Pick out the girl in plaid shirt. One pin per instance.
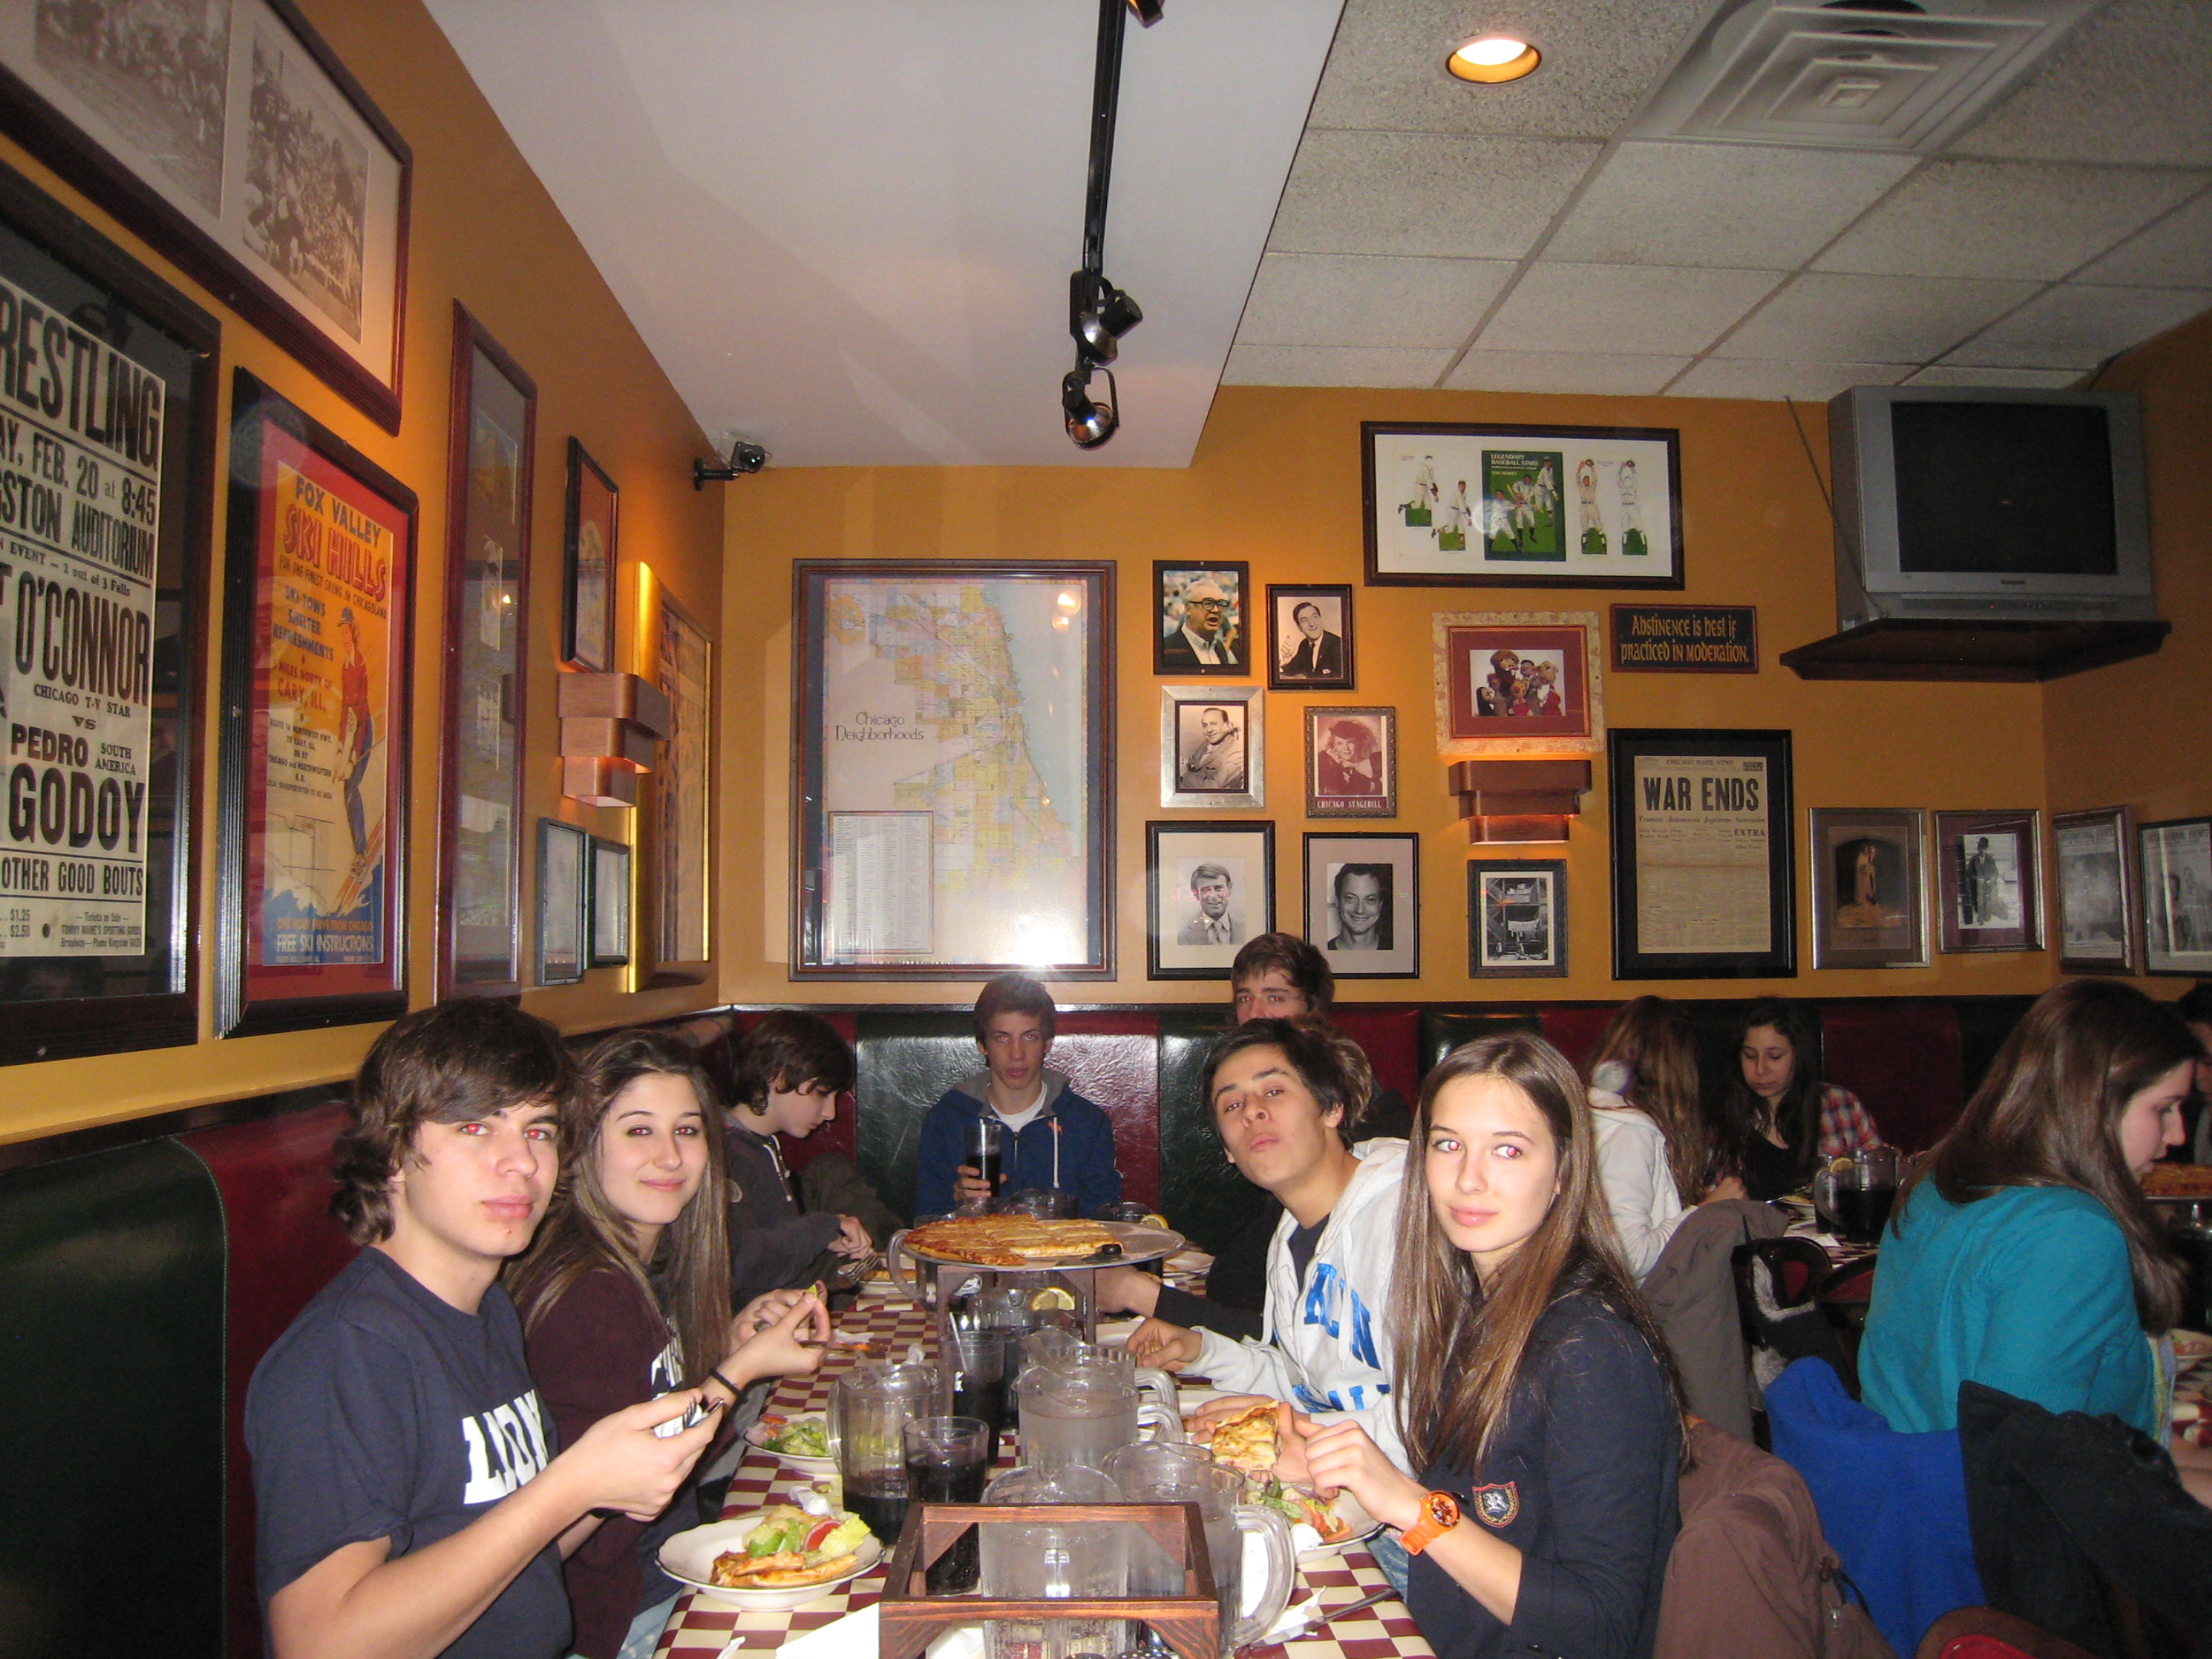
(1778, 1119)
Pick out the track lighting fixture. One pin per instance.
(1090, 421)
(1098, 313)
(744, 457)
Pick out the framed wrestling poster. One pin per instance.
(314, 775)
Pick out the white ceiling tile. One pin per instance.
(1424, 193)
(1564, 371)
(2052, 379)
(2175, 253)
(1288, 365)
(1823, 315)
(1720, 204)
(1637, 310)
(2077, 326)
(1387, 68)
(2133, 83)
(1773, 380)
(2020, 219)
(1339, 299)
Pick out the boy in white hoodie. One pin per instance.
(1283, 1107)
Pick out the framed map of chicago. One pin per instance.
(954, 818)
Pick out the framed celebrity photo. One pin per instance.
(1202, 618)
(1522, 505)
(1309, 638)
(1517, 682)
(1363, 903)
(2095, 877)
(1352, 762)
(1516, 919)
(1989, 887)
(2176, 862)
(1869, 888)
(1209, 888)
(1213, 747)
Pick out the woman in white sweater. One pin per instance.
(1655, 1153)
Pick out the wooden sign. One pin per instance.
(1686, 639)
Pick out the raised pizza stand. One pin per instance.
(946, 1278)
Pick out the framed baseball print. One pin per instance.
(1522, 505)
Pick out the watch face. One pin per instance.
(1443, 1510)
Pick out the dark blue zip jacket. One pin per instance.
(1067, 1147)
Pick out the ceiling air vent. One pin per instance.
(1878, 75)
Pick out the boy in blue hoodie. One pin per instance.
(1055, 1138)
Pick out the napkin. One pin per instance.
(854, 1636)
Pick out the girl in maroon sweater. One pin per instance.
(624, 1295)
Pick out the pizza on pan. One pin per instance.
(1009, 1240)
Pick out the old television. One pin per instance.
(1989, 504)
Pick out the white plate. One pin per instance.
(688, 1557)
(1349, 1510)
(811, 1465)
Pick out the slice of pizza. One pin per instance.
(1251, 1440)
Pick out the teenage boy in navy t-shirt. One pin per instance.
(411, 1500)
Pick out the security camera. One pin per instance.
(744, 457)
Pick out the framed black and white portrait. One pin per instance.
(1309, 638)
(1988, 882)
(1516, 919)
(1363, 903)
(1210, 887)
(1352, 762)
(1213, 746)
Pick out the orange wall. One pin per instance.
(484, 231)
(1276, 482)
(2134, 734)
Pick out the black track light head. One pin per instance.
(1090, 421)
(1098, 315)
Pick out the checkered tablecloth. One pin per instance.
(700, 1629)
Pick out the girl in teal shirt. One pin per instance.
(2025, 1255)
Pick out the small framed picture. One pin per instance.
(1352, 762)
(1517, 682)
(610, 904)
(1363, 903)
(1211, 887)
(1202, 617)
(1988, 881)
(2176, 863)
(1213, 746)
(2095, 877)
(1309, 638)
(587, 587)
(1869, 888)
(563, 878)
(1516, 919)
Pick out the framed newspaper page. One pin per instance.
(104, 598)
(2095, 878)
(315, 764)
(1703, 872)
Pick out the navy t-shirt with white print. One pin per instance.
(387, 1413)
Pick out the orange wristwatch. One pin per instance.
(1439, 1515)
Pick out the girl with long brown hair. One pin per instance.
(2025, 1255)
(1655, 1151)
(624, 1294)
(1533, 1393)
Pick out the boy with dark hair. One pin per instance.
(784, 1079)
(1055, 1138)
(1278, 976)
(410, 1500)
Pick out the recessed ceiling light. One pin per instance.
(1493, 57)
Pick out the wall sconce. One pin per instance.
(609, 726)
(1519, 801)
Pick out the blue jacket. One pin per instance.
(1068, 1146)
(1892, 1506)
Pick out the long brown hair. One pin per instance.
(2048, 1114)
(1654, 1040)
(1461, 1346)
(583, 1231)
(1797, 1114)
